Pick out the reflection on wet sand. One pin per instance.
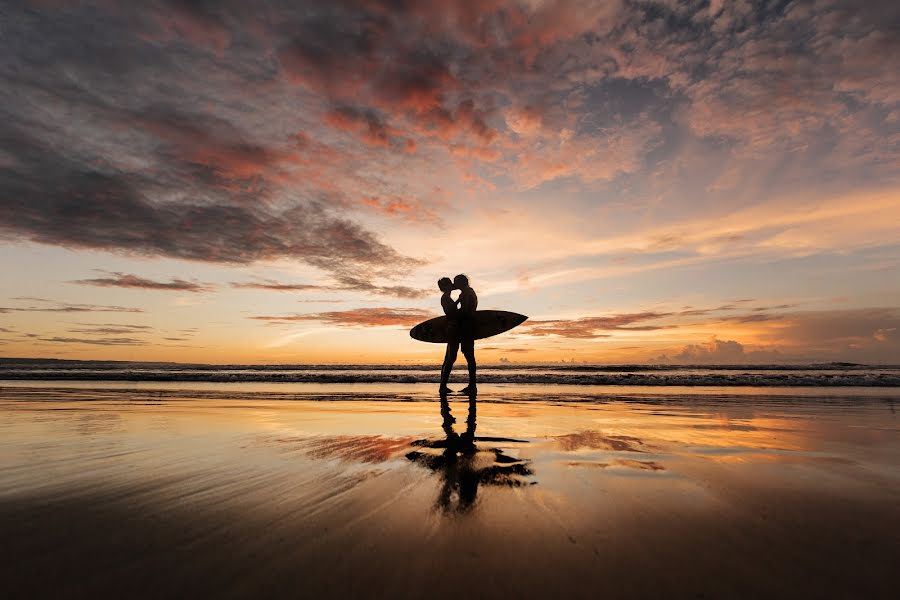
(463, 466)
(106, 496)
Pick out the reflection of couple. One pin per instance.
(461, 328)
(463, 466)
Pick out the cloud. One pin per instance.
(366, 124)
(548, 90)
(344, 283)
(866, 335)
(349, 283)
(595, 327)
(275, 286)
(359, 317)
(108, 330)
(504, 349)
(125, 280)
(65, 307)
(524, 120)
(591, 157)
(194, 22)
(113, 212)
(408, 209)
(885, 333)
(727, 351)
(120, 341)
(154, 173)
(775, 307)
(118, 325)
(722, 352)
(869, 332)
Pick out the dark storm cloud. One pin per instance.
(358, 317)
(126, 280)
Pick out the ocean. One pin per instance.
(812, 375)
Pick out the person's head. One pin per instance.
(461, 282)
(444, 284)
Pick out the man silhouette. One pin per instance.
(468, 304)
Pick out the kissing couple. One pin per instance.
(460, 329)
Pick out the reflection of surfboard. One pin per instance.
(487, 323)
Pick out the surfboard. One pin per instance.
(487, 324)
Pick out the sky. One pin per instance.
(285, 181)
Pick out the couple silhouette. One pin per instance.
(461, 329)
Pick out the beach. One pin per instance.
(381, 490)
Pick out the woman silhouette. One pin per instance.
(451, 309)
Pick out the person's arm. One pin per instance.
(468, 303)
(450, 307)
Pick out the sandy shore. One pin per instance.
(526, 494)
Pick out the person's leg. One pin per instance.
(468, 350)
(449, 360)
(468, 437)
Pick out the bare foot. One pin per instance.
(469, 390)
(444, 390)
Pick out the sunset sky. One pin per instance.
(658, 181)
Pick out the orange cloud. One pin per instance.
(408, 209)
(366, 124)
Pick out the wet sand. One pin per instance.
(366, 492)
